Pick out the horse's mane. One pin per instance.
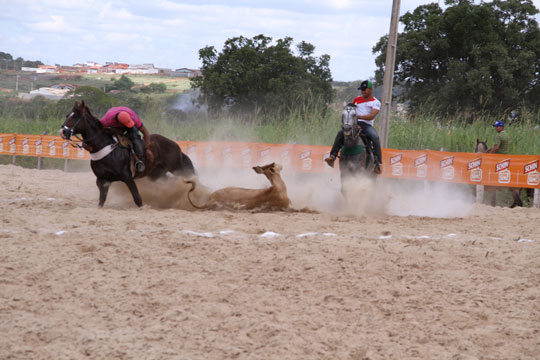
(87, 114)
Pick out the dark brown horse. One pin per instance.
(111, 161)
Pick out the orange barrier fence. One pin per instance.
(49, 146)
(471, 168)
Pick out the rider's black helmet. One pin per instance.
(366, 84)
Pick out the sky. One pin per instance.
(169, 33)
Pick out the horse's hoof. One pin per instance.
(377, 170)
(520, 204)
(330, 161)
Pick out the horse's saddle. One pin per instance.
(123, 139)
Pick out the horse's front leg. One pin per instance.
(516, 195)
(103, 186)
(134, 191)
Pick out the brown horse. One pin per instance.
(481, 147)
(110, 161)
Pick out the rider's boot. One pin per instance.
(378, 169)
(330, 160)
(378, 161)
(139, 151)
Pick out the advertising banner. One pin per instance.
(468, 168)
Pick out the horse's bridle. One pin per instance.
(71, 129)
(82, 144)
(72, 133)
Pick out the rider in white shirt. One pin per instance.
(367, 108)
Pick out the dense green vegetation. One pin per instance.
(7, 62)
(424, 130)
(468, 57)
(255, 77)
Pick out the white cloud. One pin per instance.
(23, 39)
(104, 12)
(128, 40)
(171, 32)
(341, 4)
(55, 24)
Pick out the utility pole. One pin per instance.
(386, 99)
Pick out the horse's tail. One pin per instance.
(187, 165)
(193, 185)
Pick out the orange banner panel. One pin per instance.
(510, 170)
(278, 153)
(471, 168)
(309, 158)
(406, 164)
(220, 154)
(450, 167)
(40, 145)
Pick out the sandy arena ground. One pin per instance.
(410, 274)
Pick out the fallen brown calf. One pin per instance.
(271, 198)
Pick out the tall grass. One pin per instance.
(12, 124)
(459, 133)
(456, 133)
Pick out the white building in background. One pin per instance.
(189, 73)
(42, 69)
(142, 69)
(29, 69)
(47, 92)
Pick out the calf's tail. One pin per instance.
(193, 185)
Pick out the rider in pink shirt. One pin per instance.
(121, 117)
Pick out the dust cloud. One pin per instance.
(430, 199)
(361, 196)
(166, 193)
(365, 195)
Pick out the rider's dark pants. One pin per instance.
(370, 133)
(133, 134)
(338, 143)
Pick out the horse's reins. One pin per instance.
(355, 133)
(72, 133)
(95, 156)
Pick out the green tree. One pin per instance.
(8, 63)
(5, 60)
(254, 75)
(482, 57)
(98, 101)
(32, 64)
(124, 83)
(154, 88)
